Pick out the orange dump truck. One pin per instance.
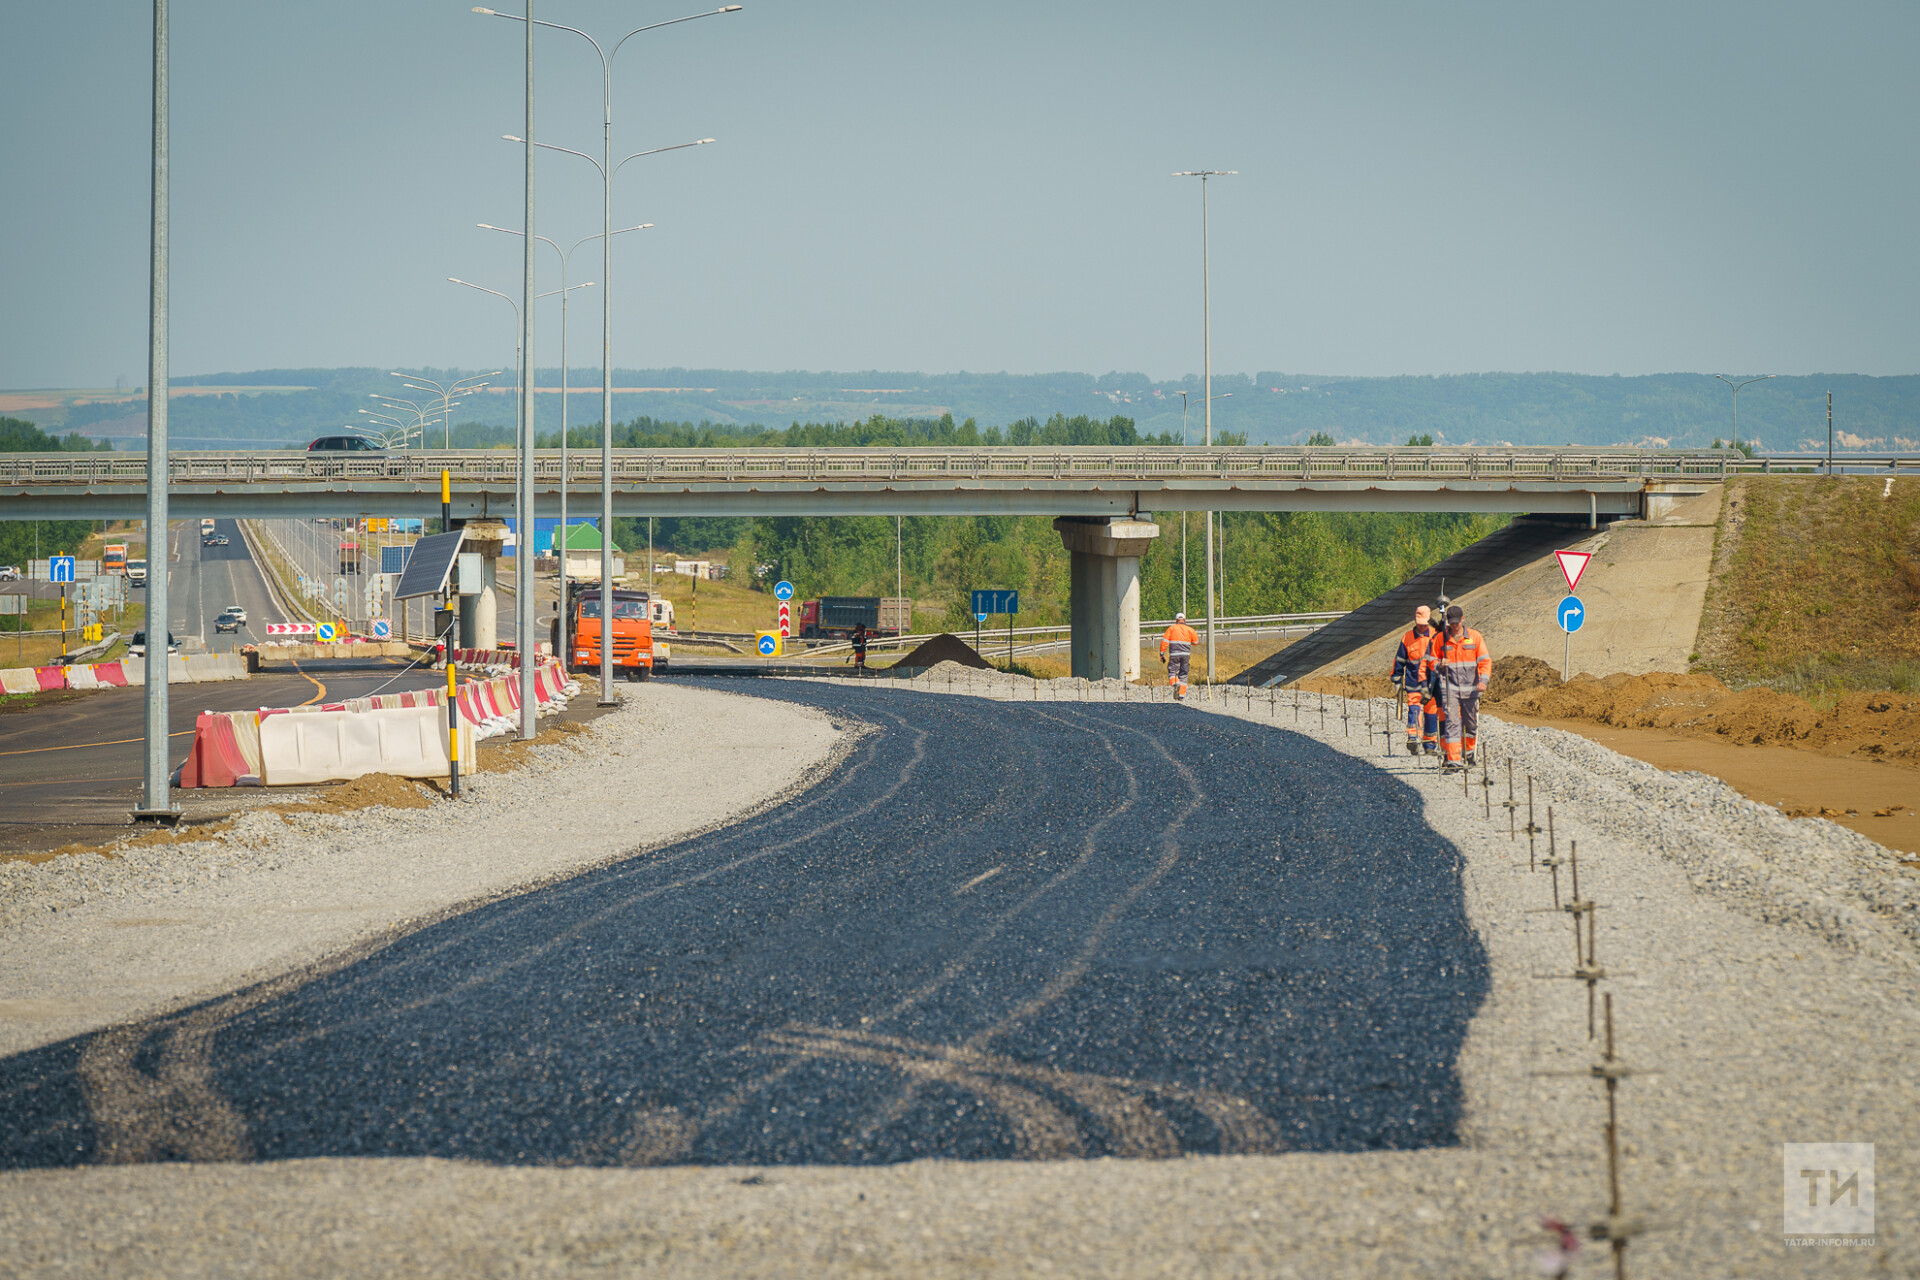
(632, 633)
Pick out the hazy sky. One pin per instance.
(902, 184)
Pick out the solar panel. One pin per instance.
(427, 568)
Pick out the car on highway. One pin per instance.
(229, 621)
(238, 611)
(137, 647)
(343, 444)
(9, 573)
(217, 540)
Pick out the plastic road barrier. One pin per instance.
(328, 746)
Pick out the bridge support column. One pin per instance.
(1104, 596)
(480, 614)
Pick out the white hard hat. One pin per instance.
(1179, 617)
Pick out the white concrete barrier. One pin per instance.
(333, 746)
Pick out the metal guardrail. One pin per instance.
(1146, 466)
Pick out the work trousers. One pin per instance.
(1423, 718)
(1462, 726)
(1177, 665)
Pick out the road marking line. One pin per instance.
(979, 879)
(315, 683)
(75, 746)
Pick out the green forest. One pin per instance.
(25, 540)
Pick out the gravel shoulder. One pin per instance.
(86, 942)
(1763, 968)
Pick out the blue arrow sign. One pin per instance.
(986, 602)
(767, 645)
(60, 569)
(382, 628)
(979, 617)
(1571, 614)
(783, 590)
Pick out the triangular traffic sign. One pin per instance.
(1572, 565)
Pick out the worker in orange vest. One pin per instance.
(1409, 675)
(1464, 666)
(1176, 650)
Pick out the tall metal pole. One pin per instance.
(1206, 330)
(1736, 399)
(606, 377)
(155, 803)
(1829, 433)
(523, 559)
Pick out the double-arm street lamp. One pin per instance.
(607, 170)
(1736, 398)
(566, 475)
(519, 360)
(449, 393)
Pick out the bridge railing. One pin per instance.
(1143, 467)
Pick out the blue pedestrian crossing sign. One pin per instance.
(60, 569)
(986, 602)
(783, 590)
(769, 645)
(1571, 614)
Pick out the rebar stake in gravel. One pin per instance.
(1512, 804)
(1532, 828)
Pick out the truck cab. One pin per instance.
(136, 573)
(632, 632)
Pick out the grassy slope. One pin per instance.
(1816, 587)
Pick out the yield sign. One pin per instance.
(1572, 565)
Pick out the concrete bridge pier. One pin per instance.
(1104, 595)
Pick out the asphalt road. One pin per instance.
(202, 581)
(71, 771)
(996, 931)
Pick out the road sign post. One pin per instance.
(1571, 615)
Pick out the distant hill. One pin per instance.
(289, 406)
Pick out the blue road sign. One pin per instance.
(327, 631)
(783, 590)
(60, 569)
(985, 602)
(1571, 614)
(382, 628)
(979, 617)
(767, 646)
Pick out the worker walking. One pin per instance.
(1460, 659)
(859, 642)
(1176, 650)
(1410, 676)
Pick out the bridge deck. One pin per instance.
(1061, 481)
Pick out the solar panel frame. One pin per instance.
(430, 564)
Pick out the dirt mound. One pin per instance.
(1878, 726)
(365, 792)
(945, 648)
(1518, 674)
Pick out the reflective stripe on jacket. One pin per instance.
(1178, 641)
(1463, 663)
(1410, 663)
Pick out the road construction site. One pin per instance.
(885, 998)
(960, 972)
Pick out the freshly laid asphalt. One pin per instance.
(997, 930)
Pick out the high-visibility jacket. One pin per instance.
(1179, 641)
(1410, 662)
(1463, 662)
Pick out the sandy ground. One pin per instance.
(1800, 783)
(1644, 590)
(87, 942)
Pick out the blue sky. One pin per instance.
(1424, 187)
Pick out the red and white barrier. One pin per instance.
(198, 668)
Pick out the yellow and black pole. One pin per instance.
(446, 640)
(63, 619)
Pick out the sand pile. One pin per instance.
(945, 648)
(1518, 674)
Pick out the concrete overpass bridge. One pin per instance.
(1098, 496)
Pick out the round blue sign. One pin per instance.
(783, 590)
(1571, 614)
(382, 629)
(767, 645)
(979, 617)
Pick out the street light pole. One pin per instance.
(607, 170)
(1736, 398)
(1206, 329)
(155, 804)
(450, 393)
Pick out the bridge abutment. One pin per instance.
(1104, 593)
